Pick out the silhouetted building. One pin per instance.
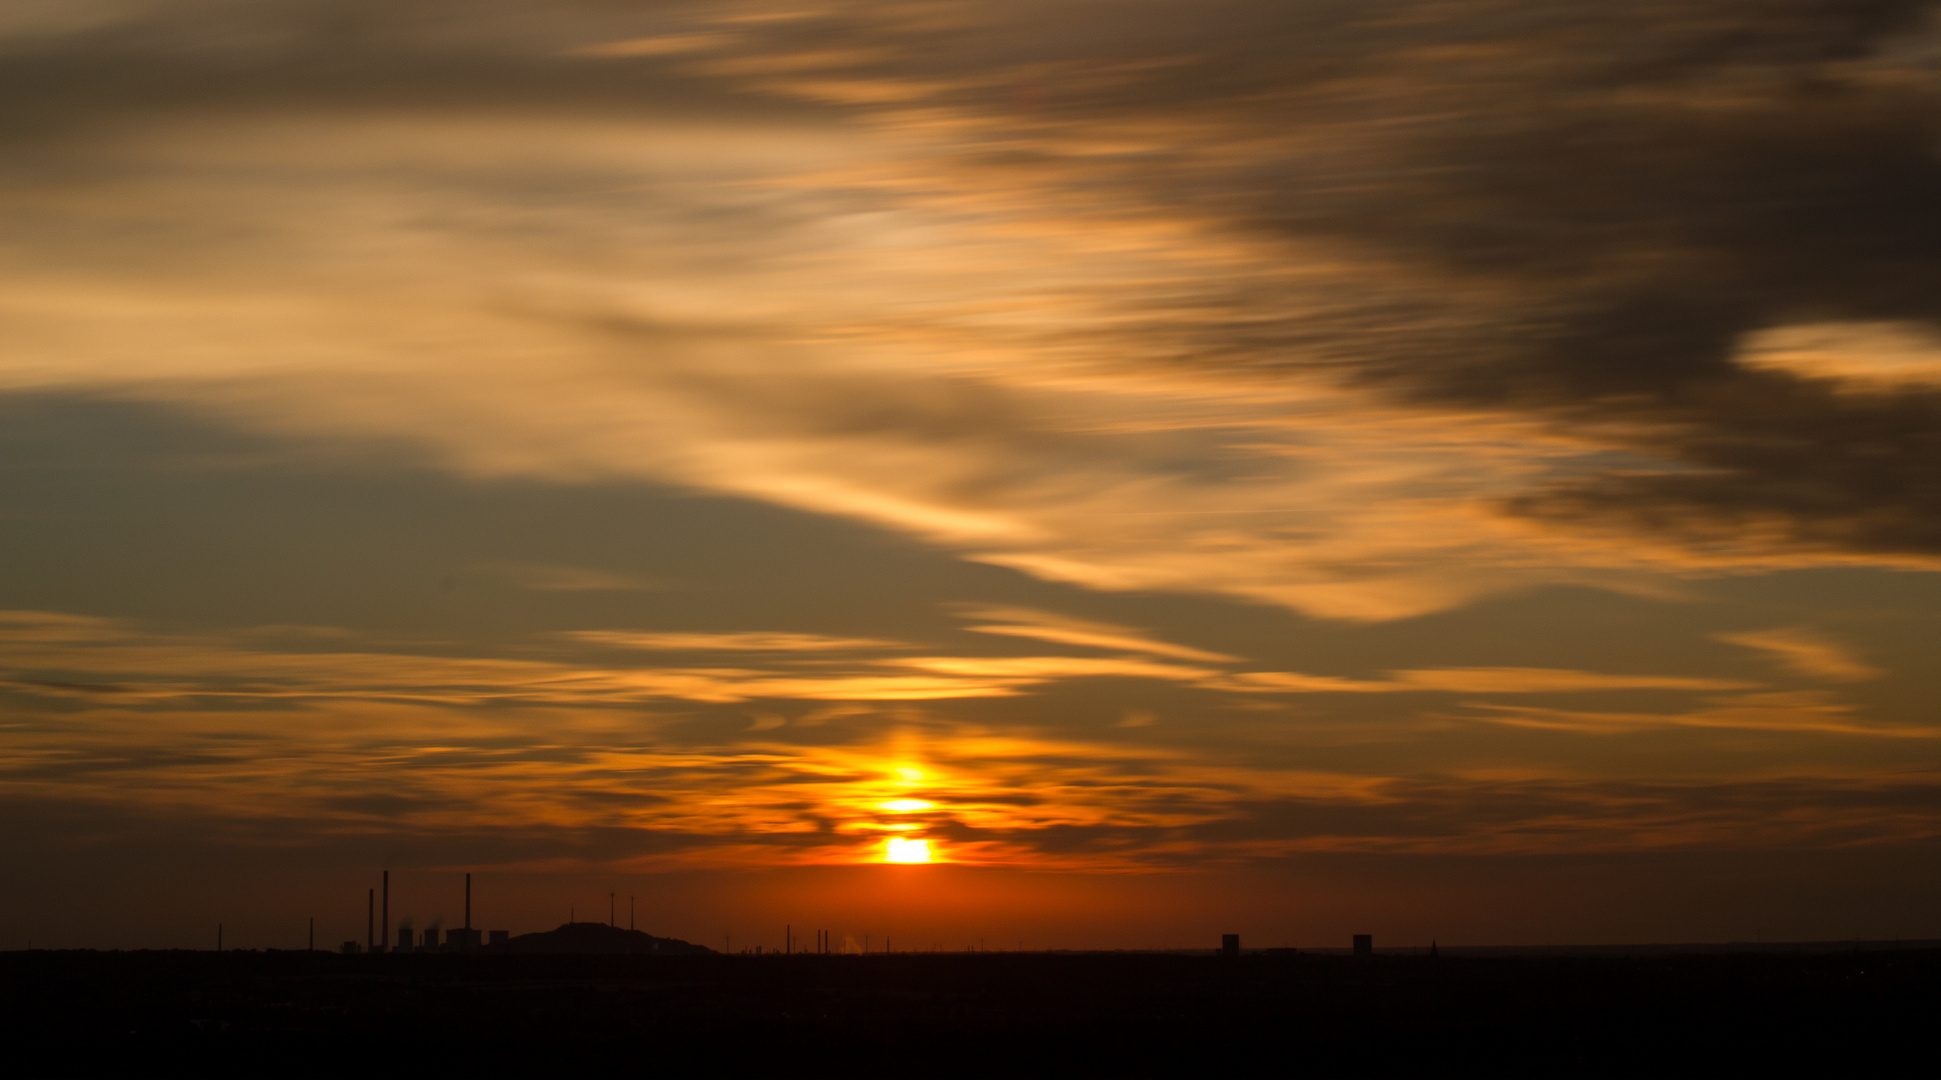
(1364, 944)
(351, 948)
(500, 937)
(463, 937)
(430, 939)
(1229, 944)
(404, 939)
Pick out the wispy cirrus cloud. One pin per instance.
(1777, 711)
(1063, 630)
(1806, 653)
(1476, 680)
(730, 642)
(55, 655)
(107, 660)
(1047, 667)
(51, 653)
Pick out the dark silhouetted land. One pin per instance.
(598, 938)
(978, 1015)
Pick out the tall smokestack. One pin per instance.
(383, 938)
(468, 902)
(370, 927)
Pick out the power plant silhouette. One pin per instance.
(572, 937)
(378, 932)
(592, 937)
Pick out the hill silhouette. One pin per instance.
(589, 937)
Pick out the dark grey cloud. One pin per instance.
(1731, 168)
(1451, 815)
(1574, 211)
(111, 63)
(1769, 170)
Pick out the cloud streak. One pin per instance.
(1063, 630)
(1797, 712)
(736, 642)
(63, 655)
(1806, 653)
(1479, 680)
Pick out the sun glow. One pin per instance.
(900, 850)
(908, 775)
(906, 806)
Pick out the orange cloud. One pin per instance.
(1799, 712)
(734, 642)
(1062, 630)
(1806, 653)
(1480, 680)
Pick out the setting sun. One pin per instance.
(900, 850)
(905, 806)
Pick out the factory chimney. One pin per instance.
(468, 902)
(370, 921)
(387, 911)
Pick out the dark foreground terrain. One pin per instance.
(983, 1015)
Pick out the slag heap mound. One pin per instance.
(581, 937)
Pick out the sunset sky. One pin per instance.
(1447, 469)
